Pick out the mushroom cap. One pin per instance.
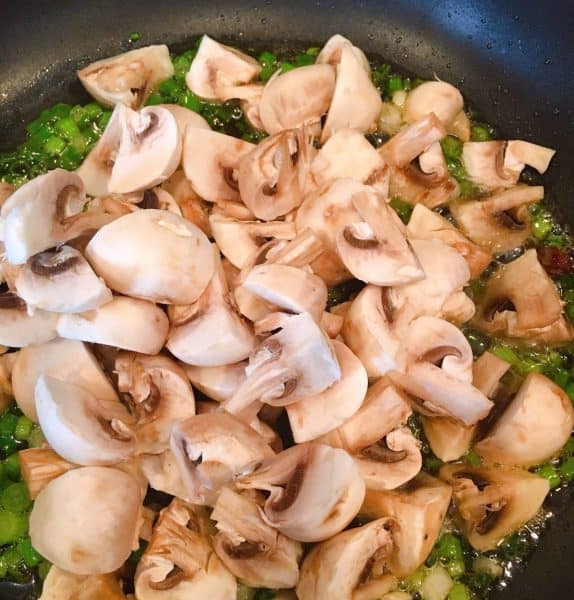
(67, 360)
(154, 255)
(217, 383)
(19, 329)
(330, 53)
(316, 415)
(162, 473)
(60, 281)
(61, 585)
(80, 427)
(185, 117)
(297, 97)
(97, 530)
(439, 97)
(127, 78)
(128, 323)
(520, 153)
(484, 164)
(534, 426)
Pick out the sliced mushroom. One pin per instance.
(67, 360)
(376, 250)
(211, 450)
(217, 70)
(331, 323)
(294, 363)
(157, 391)
(154, 255)
(438, 97)
(61, 585)
(520, 153)
(98, 528)
(330, 53)
(45, 212)
(19, 329)
(179, 562)
(60, 281)
(316, 415)
(435, 366)
(493, 502)
(250, 548)
(302, 250)
(127, 323)
(501, 222)
(127, 78)
(218, 383)
(426, 224)
(350, 566)
(162, 474)
(211, 161)
(275, 175)
(534, 426)
(418, 511)
(314, 491)
(299, 97)
(190, 204)
(186, 118)
(39, 466)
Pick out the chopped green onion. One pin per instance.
(394, 84)
(12, 466)
(287, 66)
(480, 133)
(449, 547)
(451, 147)
(16, 498)
(31, 557)
(13, 526)
(550, 473)
(402, 208)
(54, 145)
(44, 569)
(36, 439)
(567, 469)
(8, 423)
(134, 36)
(459, 591)
(455, 568)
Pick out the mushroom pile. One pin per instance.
(169, 302)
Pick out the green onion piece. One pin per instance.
(478, 342)
(12, 466)
(70, 159)
(472, 458)
(505, 353)
(154, 99)
(59, 111)
(13, 526)
(16, 498)
(36, 439)
(402, 208)
(313, 51)
(480, 133)
(549, 472)
(449, 547)
(561, 377)
(92, 111)
(394, 84)
(455, 568)
(31, 557)
(567, 469)
(541, 226)
(44, 569)
(244, 592)
(459, 591)
(287, 66)
(134, 36)
(451, 147)
(8, 423)
(23, 428)
(54, 145)
(67, 128)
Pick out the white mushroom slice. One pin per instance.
(186, 118)
(45, 212)
(299, 97)
(316, 415)
(218, 383)
(418, 511)
(159, 395)
(211, 450)
(391, 461)
(519, 153)
(296, 362)
(240, 240)
(376, 250)
(217, 70)
(439, 97)
(356, 102)
(331, 52)
(127, 323)
(250, 548)
(179, 562)
(493, 502)
(162, 474)
(425, 224)
(501, 222)
(274, 176)
(127, 78)
(155, 255)
(347, 153)
(60, 281)
(190, 204)
(67, 360)
(484, 164)
(350, 566)
(314, 491)
(80, 427)
(298, 252)
(61, 585)
(96, 531)
(534, 426)
(39, 466)
(18, 328)
(210, 162)
(435, 366)
(331, 324)
(209, 332)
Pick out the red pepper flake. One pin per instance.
(555, 261)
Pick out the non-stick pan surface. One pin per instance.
(512, 59)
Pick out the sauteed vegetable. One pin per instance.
(277, 328)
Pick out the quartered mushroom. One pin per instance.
(211, 450)
(438, 97)
(186, 118)
(418, 510)
(435, 367)
(352, 565)
(500, 222)
(217, 71)
(211, 162)
(533, 427)
(61, 585)
(316, 415)
(19, 328)
(46, 212)
(127, 323)
(99, 526)
(59, 280)
(162, 473)
(375, 250)
(314, 491)
(155, 255)
(217, 383)
(519, 153)
(67, 360)
(179, 561)
(275, 175)
(127, 78)
(191, 206)
(251, 549)
(39, 466)
(330, 53)
(158, 394)
(298, 97)
(81, 427)
(492, 502)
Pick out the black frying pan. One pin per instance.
(513, 59)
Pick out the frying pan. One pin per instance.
(512, 59)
